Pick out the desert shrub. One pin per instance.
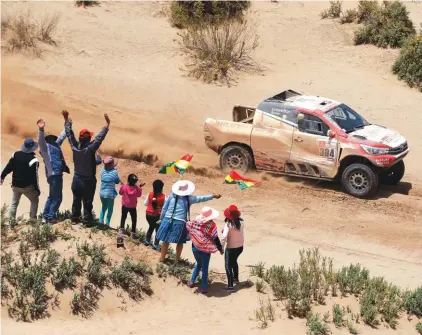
(349, 16)
(388, 27)
(28, 281)
(338, 315)
(334, 11)
(408, 66)
(87, 3)
(258, 270)
(192, 13)
(413, 302)
(352, 328)
(95, 251)
(24, 31)
(315, 325)
(86, 301)
(310, 281)
(352, 279)
(380, 298)
(218, 52)
(260, 286)
(95, 274)
(40, 236)
(66, 273)
(132, 277)
(419, 327)
(264, 313)
(366, 9)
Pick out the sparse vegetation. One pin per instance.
(338, 315)
(264, 313)
(260, 286)
(413, 302)
(366, 10)
(389, 26)
(217, 52)
(315, 325)
(39, 236)
(349, 16)
(86, 301)
(419, 327)
(23, 32)
(408, 66)
(66, 273)
(185, 14)
(334, 11)
(352, 328)
(87, 3)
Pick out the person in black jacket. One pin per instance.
(85, 164)
(24, 167)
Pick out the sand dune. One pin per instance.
(121, 58)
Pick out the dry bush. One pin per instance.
(87, 3)
(408, 66)
(366, 9)
(184, 14)
(217, 52)
(390, 26)
(23, 31)
(264, 313)
(334, 11)
(349, 16)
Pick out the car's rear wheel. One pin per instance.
(393, 175)
(359, 180)
(236, 157)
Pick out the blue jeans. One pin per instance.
(107, 206)
(202, 264)
(55, 197)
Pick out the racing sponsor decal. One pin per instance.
(327, 148)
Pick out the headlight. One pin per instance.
(374, 150)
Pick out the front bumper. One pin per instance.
(388, 160)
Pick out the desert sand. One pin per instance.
(121, 58)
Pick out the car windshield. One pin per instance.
(346, 118)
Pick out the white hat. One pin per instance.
(208, 214)
(183, 187)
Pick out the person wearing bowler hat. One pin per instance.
(109, 179)
(24, 167)
(232, 236)
(55, 165)
(175, 214)
(205, 241)
(85, 165)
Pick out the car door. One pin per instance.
(271, 140)
(313, 152)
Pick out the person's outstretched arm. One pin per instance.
(7, 169)
(41, 137)
(194, 199)
(61, 138)
(95, 145)
(68, 129)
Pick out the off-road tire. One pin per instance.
(359, 180)
(393, 175)
(236, 157)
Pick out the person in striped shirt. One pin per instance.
(109, 179)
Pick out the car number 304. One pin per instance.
(329, 153)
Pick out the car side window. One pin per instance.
(313, 125)
(285, 113)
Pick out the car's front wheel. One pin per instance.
(359, 180)
(393, 175)
(236, 157)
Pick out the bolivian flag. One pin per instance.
(179, 166)
(235, 178)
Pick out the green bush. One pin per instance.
(388, 27)
(316, 326)
(408, 66)
(413, 302)
(187, 13)
(419, 327)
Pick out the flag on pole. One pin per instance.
(177, 166)
(235, 178)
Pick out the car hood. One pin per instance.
(380, 135)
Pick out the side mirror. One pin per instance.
(331, 134)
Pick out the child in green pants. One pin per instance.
(109, 178)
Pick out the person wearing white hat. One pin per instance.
(205, 241)
(175, 214)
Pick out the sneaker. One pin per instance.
(147, 243)
(156, 248)
(43, 221)
(203, 291)
(191, 284)
(228, 289)
(236, 282)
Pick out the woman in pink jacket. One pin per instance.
(233, 235)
